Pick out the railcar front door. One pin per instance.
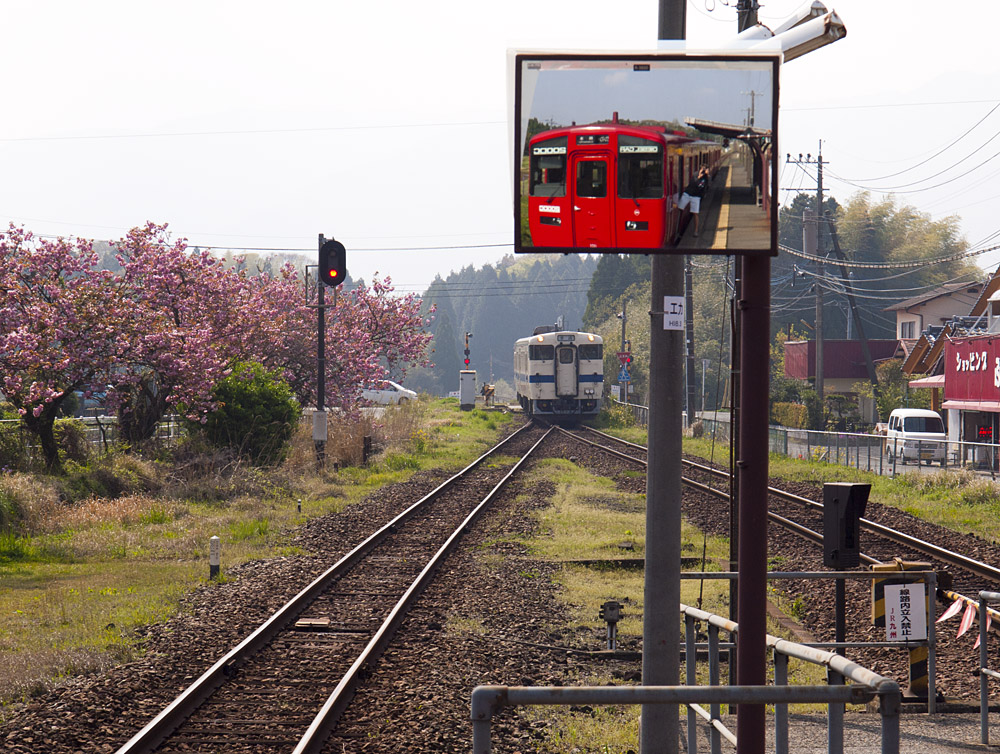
(593, 210)
(566, 371)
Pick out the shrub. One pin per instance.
(793, 415)
(13, 446)
(110, 476)
(26, 502)
(71, 438)
(256, 416)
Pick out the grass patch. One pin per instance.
(958, 500)
(587, 520)
(77, 578)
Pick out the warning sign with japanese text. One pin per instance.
(905, 612)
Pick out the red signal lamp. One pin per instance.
(332, 262)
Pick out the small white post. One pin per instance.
(214, 557)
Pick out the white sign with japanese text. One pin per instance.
(673, 312)
(905, 612)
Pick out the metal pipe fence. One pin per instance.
(871, 452)
(865, 686)
(101, 431)
(985, 673)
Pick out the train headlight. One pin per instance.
(588, 391)
(590, 337)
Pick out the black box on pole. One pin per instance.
(844, 505)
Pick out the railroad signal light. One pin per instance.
(466, 360)
(844, 506)
(628, 359)
(332, 263)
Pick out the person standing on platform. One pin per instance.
(691, 198)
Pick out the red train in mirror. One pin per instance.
(611, 185)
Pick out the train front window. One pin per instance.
(541, 353)
(591, 351)
(592, 178)
(566, 356)
(640, 168)
(548, 167)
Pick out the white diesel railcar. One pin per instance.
(559, 374)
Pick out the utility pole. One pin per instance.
(659, 724)
(815, 219)
(856, 316)
(754, 313)
(751, 113)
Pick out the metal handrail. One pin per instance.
(984, 671)
(866, 686)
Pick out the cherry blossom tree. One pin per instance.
(370, 334)
(172, 323)
(64, 327)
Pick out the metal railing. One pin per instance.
(866, 686)
(985, 673)
(870, 452)
(99, 430)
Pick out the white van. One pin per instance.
(915, 434)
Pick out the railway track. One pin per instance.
(955, 559)
(285, 686)
(963, 559)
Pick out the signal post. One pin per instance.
(332, 272)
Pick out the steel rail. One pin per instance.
(324, 722)
(977, 567)
(174, 714)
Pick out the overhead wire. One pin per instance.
(940, 151)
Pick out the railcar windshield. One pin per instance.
(548, 167)
(591, 351)
(592, 178)
(541, 353)
(640, 168)
(923, 424)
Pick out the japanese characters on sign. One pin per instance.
(905, 613)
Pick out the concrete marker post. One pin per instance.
(214, 557)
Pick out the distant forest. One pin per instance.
(499, 304)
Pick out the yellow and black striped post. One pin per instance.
(919, 680)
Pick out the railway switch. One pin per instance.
(611, 613)
(843, 507)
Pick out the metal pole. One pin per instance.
(689, 344)
(691, 660)
(659, 724)
(624, 319)
(752, 470)
(661, 635)
(321, 360)
(840, 610)
(704, 368)
(820, 386)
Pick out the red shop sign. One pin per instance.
(972, 369)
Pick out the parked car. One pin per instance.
(915, 434)
(390, 393)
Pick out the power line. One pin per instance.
(173, 134)
(942, 150)
(888, 265)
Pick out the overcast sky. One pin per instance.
(384, 123)
(668, 91)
